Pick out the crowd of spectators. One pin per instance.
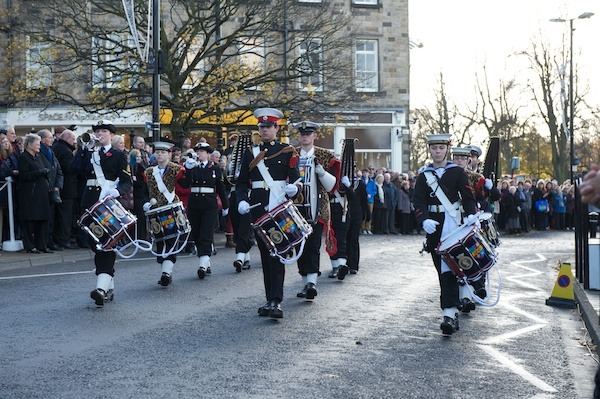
(525, 205)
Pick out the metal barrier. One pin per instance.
(586, 225)
(593, 221)
(11, 245)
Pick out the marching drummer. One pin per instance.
(269, 170)
(206, 182)
(437, 199)
(163, 179)
(106, 169)
(319, 171)
(482, 188)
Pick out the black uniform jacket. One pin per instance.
(114, 166)
(210, 176)
(281, 161)
(456, 186)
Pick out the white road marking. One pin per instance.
(513, 334)
(496, 354)
(45, 275)
(517, 369)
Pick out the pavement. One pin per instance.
(587, 300)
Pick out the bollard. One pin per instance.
(11, 245)
(593, 224)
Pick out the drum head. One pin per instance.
(459, 234)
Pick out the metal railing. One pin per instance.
(11, 245)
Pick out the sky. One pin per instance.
(460, 36)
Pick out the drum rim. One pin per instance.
(172, 205)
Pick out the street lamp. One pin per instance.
(571, 99)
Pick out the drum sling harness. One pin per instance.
(276, 194)
(105, 184)
(170, 196)
(432, 182)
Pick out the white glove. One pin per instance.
(429, 225)
(291, 189)
(243, 207)
(225, 212)
(147, 206)
(345, 181)
(319, 170)
(112, 193)
(473, 219)
(190, 163)
(488, 184)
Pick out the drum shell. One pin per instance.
(107, 223)
(282, 228)
(168, 221)
(467, 253)
(488, 228)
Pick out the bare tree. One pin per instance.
(220, 58)
(552, 102)
(498, 111)
(443, 118)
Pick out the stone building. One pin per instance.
(379, 55)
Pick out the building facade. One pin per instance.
(380, 68)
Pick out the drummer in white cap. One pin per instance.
(206, 182)
(107, 175)
(474, 154)
(443, 178)
(280, 161)
(163, 181)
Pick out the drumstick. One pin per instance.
(255, 205)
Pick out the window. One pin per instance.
(310, 1)
(37, 68)
(252, 57)
(365, 2)
(366, 74)
(192, 66)
(112, 60)
(311, 65)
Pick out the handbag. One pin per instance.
(541, 206)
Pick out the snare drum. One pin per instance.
(168, 221)
(282, 228)
(107, 222)
(467, 253)
(488, 228)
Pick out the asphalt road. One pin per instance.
(374, 335)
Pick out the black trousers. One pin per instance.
(168, 244)
(309, 262)
(63, 220)
(203, 224)
(241, 226)
(352, 240)
(34, 234)
(340, 229)
(50, 240)
(273, 273)
(448, 284)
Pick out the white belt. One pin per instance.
(337, 200)
(95, 183)
(203, 190)
(262, 184)
(441, 209)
